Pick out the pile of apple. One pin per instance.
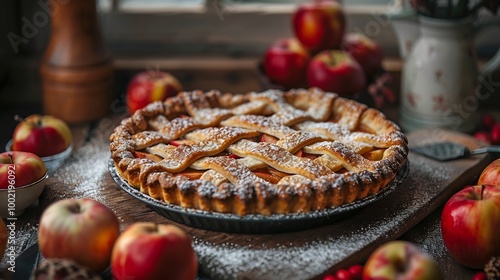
(321, 54)
(87, 233)
(35, 137)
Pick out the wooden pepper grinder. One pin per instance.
(76, 70)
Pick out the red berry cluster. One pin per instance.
(354, 272)
(479, 276)
(489, 130)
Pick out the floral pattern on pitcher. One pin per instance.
(440, 75)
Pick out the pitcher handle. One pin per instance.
(494, 62)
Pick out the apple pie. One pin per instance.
(258, 153)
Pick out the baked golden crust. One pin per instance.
(258, 153)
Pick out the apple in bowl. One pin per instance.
(285, 63)
(43, 135)
(82, 230)
(19, 169)
(469, 224)
(153, 251)
(336, 71)
(149, 86)
(46, 136)
(319, 25)
(400, 260)
(22, 180)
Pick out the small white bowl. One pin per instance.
(51, 162)
(20, 198)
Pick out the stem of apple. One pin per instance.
(482, 190)
(75, 208)
(153, 73)
(21, 119)
(18, 118)
(11, 160)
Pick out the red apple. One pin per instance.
(469, 224)
(319, 25)
(285, 63)
(336, 71)
(3, 238)
(491, 174)
(365, 51)
(82, 230)
(154, 251)
(20, 169)
(42, 135)
(149, 86)
(400, 260)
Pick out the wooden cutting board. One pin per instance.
(295, 255)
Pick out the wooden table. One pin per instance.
(91, 139)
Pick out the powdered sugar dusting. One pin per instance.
(261, 123)
(318, 253)
(279, 158)
(286, 261)
(86, 168)
(236, 173)
(431, 241)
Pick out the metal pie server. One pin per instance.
(444, 151)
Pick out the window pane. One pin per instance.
(158, 4)
(161, 3)
(345, 2)
(367, 2)
(104, 5)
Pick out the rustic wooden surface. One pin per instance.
(305, 254)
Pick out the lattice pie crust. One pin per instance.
(261, 153)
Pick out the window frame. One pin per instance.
(236, 30)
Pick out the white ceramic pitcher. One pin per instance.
(441, 83)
